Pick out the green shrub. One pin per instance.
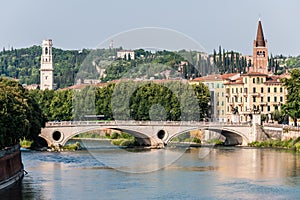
(197, 140)
(297, 146)
(127, 143)
(26, 143)
(114, 135)
(72, 147)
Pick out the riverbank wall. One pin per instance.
(11, 167)
(282, 132)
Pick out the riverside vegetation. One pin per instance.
(20, 115)
(293, 144)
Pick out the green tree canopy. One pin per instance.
(292, 106)
(20, 115)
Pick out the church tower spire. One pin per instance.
(260, 51)
(260, 40)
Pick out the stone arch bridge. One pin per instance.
(153, 133)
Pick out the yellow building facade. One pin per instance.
(240, 95)
(254, 92)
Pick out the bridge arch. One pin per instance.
(179, 133)
(143, 139)
(232, 136)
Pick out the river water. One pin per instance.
(198, 173)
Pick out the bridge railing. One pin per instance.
(141, 123)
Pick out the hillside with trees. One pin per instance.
(70, 66)
(102, 64)
(24, 64)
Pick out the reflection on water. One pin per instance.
(224, 173)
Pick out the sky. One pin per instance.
(78, 24)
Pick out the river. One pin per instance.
(198, 173)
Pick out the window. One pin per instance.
(222, 94)
(269, 90)
(246, 90)
(281, 99)
(269, 99)
(269, 108)
(262, 108)
(257, 80)
(261, 99)
(280, 89)
(241, 90)
(254, 99)
(254, 90)
(261, 90)
(275, 89)
(241, 99)
(253, 80)
(275, 107)
(275, 99)
(232, 90)
(246, 99)
(261, 80)
(222, 103)
(246, 80)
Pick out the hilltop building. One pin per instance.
(126, 54)
(46, 70)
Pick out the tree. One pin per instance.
(292, 106)
(20, 115)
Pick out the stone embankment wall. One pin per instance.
(10, 162)
(280, 132)
(290, 132)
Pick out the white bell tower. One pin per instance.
(46, 70)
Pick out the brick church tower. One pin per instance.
(260, 51)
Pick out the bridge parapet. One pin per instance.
(144, 123)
